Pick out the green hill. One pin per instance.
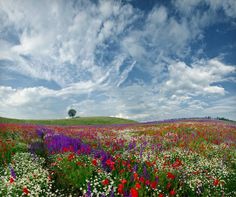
(100, 120)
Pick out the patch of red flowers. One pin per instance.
(172, 192)
(137, 186)
(110, 163)
(216, 182)
(123, 181)
(170, 175)
(168, 185)
(71, 156)
(11, 180)
(59, 159)
(25, 191)
(153, 185)
(121, 189)
(142, 180)
(135, 176)
(177, 163)
(133, 192)
(94, 162)
(105, 182)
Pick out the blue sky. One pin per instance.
(143, 60)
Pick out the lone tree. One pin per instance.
(72, 113)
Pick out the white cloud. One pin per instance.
(4, 49)
(158, 14)
(187, 6)
(197, 79)
(133, 47)
(62, 34)
(89, 48)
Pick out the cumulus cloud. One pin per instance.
(198, 78)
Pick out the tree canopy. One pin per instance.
(72, 113)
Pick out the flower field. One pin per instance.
(179, 158)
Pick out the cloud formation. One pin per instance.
(113, 58)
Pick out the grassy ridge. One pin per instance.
(100, 120)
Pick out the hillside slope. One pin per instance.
(99, 120)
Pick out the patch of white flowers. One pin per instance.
(30, 177)
(199, 171)
(97, 188)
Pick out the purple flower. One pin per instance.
(135, 168)
(40, 133)
(89, 190)
(132, 145)
(13, 174)
(141, 152)
(112, 193)
(37, 148)
(145, 172)
(58, 143)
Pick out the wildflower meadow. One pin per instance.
(174, 158)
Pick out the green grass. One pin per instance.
(100, 120)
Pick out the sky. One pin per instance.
(144, 60)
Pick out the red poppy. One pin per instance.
(105, 182)
(59, 159)
(170, 175)
(133, 192)
(71, 156)
(168, 185)
(177, 163)
(25, 191)
(65, 149)
(94, 162)
(142, 179)
(153, 184)
(137, 186)
(216, 182)
(172, 192)
(149, 163)
(123, 181)
(110, 163)
(78, 163)
(160, 195)
(11, 180)
(120, 188)
(135, 176)
(147, 182)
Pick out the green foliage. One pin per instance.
(71, 171)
